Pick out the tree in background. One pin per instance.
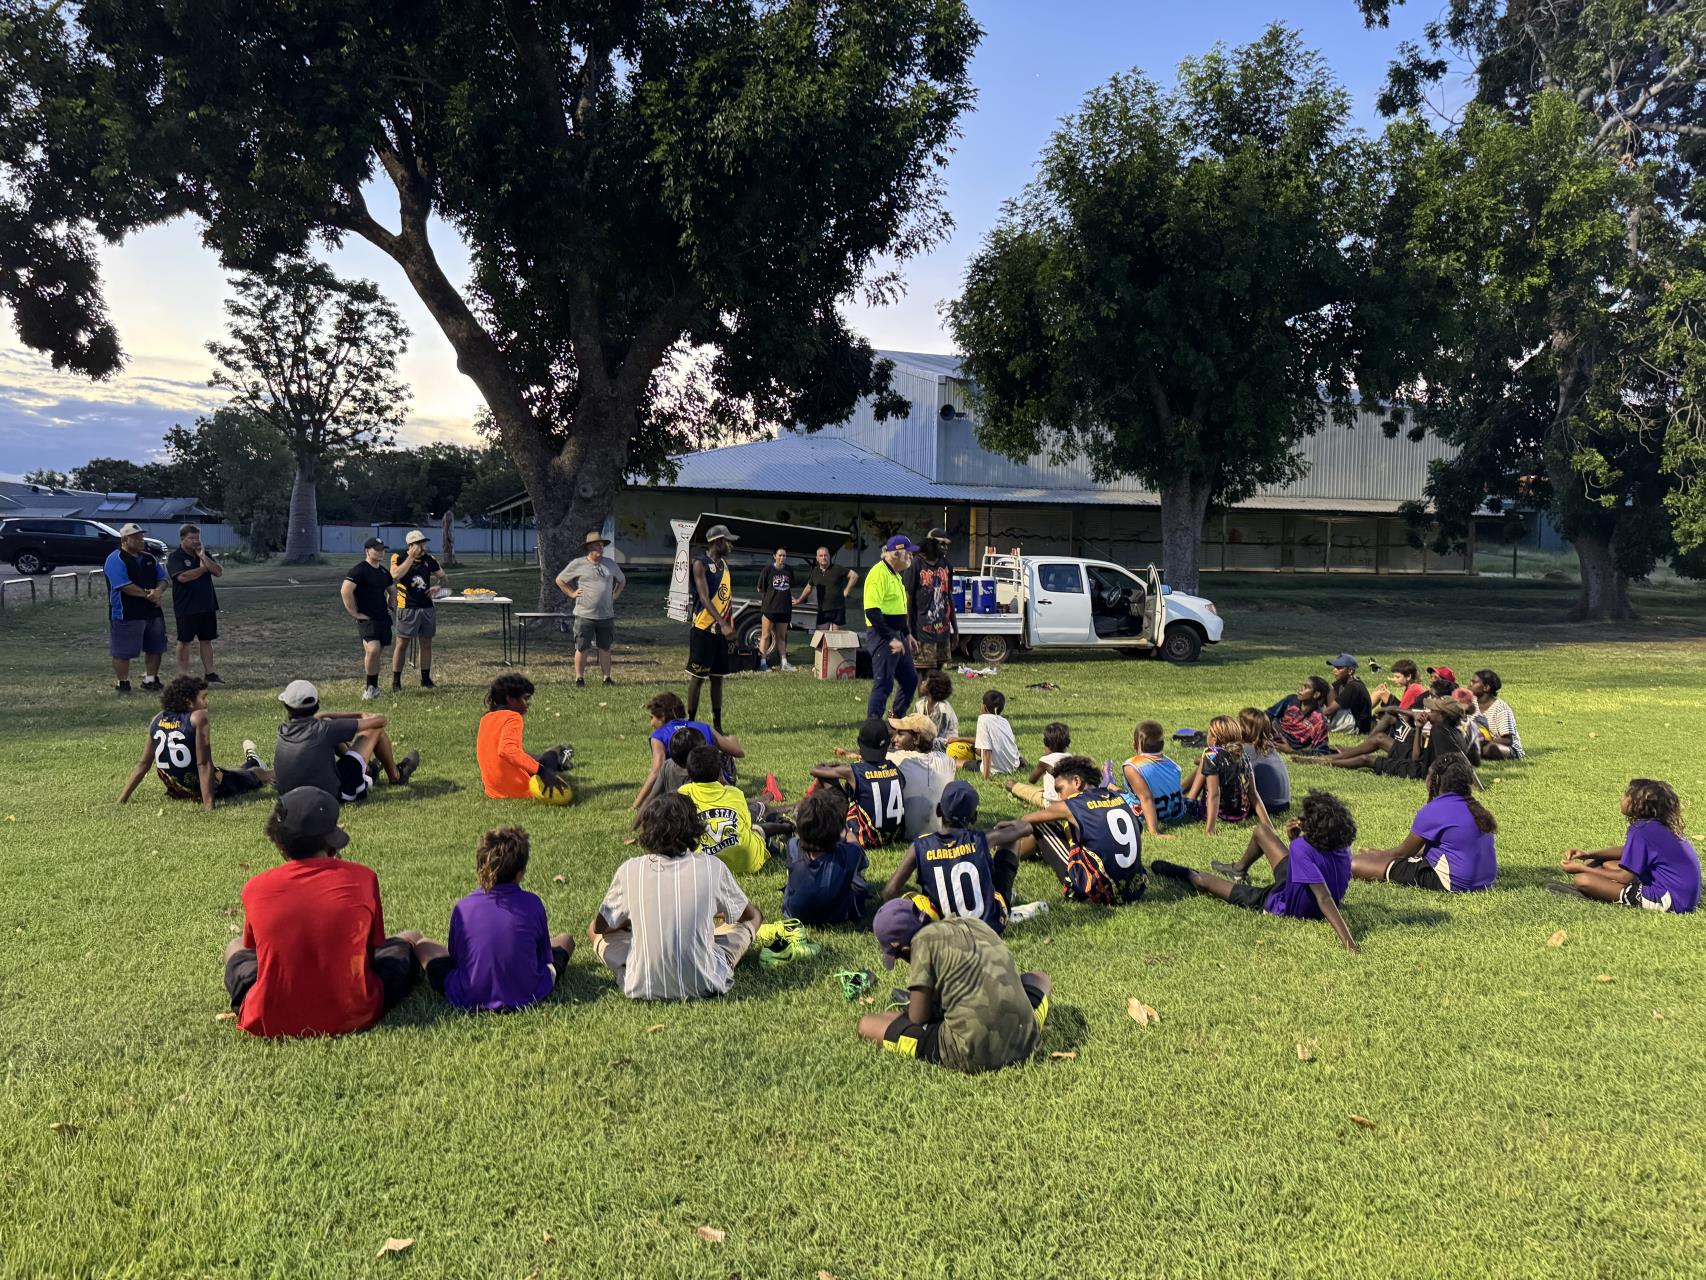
(641, 186)
(315, 357)
(46, 478)
(1176, 294)
(241, 466)
(1554, 265)
(121, 475)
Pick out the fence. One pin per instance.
(70, 583)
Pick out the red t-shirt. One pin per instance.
(313, 924)
(1412, 695)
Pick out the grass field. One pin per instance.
(1533, 1110)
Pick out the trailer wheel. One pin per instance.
(993, 649)
(749, 629)
(1182, 643)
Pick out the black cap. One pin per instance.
(309, 813)
(874, 740)
(373, 544)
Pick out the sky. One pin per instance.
(1037, 60)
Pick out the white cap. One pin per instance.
(298, 694)
(415, 535)
(129, 529)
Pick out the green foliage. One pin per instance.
(51, 479)
(245, 465)
(392, 485)
(120, 475)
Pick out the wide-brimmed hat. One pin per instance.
(599, 538)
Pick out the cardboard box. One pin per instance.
(835, 654)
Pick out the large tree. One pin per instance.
(1176, 294)
(1558, 226)
(239, 465)
(634, 181)
(315, 357)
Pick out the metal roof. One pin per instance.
(943, 366)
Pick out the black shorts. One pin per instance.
(781, 619)
(1414, 872)
(1254, 897)
(924, 1040)
(235, 782)
(355, 776)
(376, 629)
(393, 964)
(197, 626)
(438, 969)
(832, 617)
(707, 653)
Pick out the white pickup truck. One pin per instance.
(1045, 602)
(1049, 602)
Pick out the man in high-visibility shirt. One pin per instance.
(888, 635)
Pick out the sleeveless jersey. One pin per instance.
(174, 753)
(1107, 827)
(956, 874)
(1165, 784)
(717, 578)
(881, 797)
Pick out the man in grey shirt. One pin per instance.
(338, 753)
(593, 583)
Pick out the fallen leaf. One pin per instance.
(559, 879)
(224, 1016)
(11, 817)
(1361, 1121)
(656, 1026)
(710, 1235)
(606, 704)
(1557, 939)
(1141, 1013)
(1592, 734)
(824, 1275)
(1604, 977)
(1065, 1055)
(546, 1237)
(1304, 1052)
(395, 1245)
(1657, 1016)
(63, 1130)
(159, 813)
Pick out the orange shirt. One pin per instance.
(505, 768)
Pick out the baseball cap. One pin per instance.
(917, 722)
(415, 535)
(308, 813)
(937, 535)
(897, 921)
(373, 544)
(719, 533)
(873, 740)
(298, 694)
(129, 529)
(1444, 673)
(1343, 660)
(900, 542)
(958, 804)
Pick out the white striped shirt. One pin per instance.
(669, 903)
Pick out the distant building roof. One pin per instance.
(18, 497)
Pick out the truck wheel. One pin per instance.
(1182, 643)
(749, 629)
(30, 562)
(993, 649)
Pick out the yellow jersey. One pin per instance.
(717, 578)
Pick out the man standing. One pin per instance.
(417, 618)
(776, 603)
(195, 607)
(364, 590)
(932, 603)
(829, 586)
(889, 637)
(593, 583)
(1349, 708)
(135, 622)
(713, 623)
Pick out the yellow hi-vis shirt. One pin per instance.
(885, 591)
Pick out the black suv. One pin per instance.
(36, 544)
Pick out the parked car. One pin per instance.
(39, 545)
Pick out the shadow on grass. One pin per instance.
(1067, 1031)
(1365, 916)
(428, 787)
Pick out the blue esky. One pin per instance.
(1035, 64)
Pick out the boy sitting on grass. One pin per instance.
(1310, 875)
(314, 959)
(968, 1007)
(672, 773)
(1057, 745)
(997, 749)
(956, 868)
(1152, 782)
(735, 827)
(1657, 868)
(938, 688)
(506, 767)
(874, 784)
(667, 714)
(180, 748)
(657, 929)
(826, 863)
(1089, 837)
(502, 954)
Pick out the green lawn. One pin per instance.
(1535, 1110)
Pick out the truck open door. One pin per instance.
(1154, 607)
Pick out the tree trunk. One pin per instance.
(447, 541)
(575, 492)
(302, 537)
(1183, 507)
(1605, 589)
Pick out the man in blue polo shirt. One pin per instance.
(135, 622)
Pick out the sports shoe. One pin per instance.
(763, 665)
(122, 687)
(212, 677)
(406, 767)
(783, 941)
(151, 684)
(580, 682)
(855, 982)
(786, 665)
(609, 683)
(1230, 871)
(1026, 911)
(369, 692)
(251, 756)
(426, 683)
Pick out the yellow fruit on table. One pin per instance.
(959, 751)
(562, 793)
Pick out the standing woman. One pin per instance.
(713, 624)
(889, 637)
(776, 602)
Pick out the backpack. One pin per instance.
(1087, 880)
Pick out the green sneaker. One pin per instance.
(775, 932)
(855, 982)
(787, 943)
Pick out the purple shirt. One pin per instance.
(500, 945)
(1665, 864)
(1307, 865)
(1460, 853)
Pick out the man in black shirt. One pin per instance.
(364, 590)
(417, 617)
(829, 586)
(776, 603)
(195, 607)
(1350, 708)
